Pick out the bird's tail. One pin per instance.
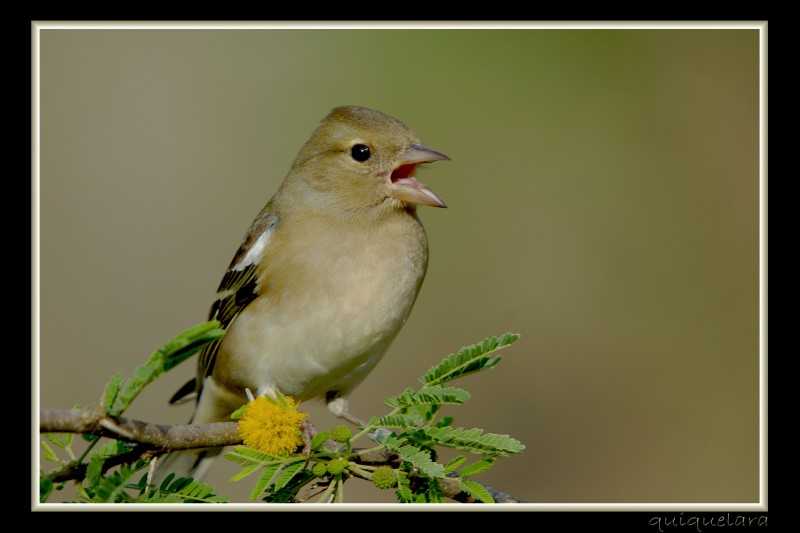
(212, 406)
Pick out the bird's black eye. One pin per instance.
(360, 152)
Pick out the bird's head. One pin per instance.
(359, 158)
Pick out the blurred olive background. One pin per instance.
(603, 202)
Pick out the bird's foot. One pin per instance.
(338, 406)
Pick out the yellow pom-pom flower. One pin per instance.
(272, 426)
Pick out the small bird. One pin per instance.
(326, 275)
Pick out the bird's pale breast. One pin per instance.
(363, 286)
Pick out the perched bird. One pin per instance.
(326, 275)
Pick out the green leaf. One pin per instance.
(97, 458)
(263, 480)
(182, 490)
(237, 414)
(59, 439)
(403, 492)
(288, 473)
(252, 460)
(46, 486)
(289, 492)
(445, 421)
(404, 398)
(94, 470)
(245, 455)
(415, 456)
(454, 463)
(474, 441)
(319, 439)
(468, 360)
(47, 452)
(278, 475)
(144, 374)
(111, 392)
(477, 467)
(246, 471)
(111, 488)
(476, 490)
(201, 493)
(397, 421)
(279, 398)
(166, 483)
(427, 396)
(187, 343)
(164, 359)
(433, 492)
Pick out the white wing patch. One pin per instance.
(255, 252)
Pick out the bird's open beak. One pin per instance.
(405, 187)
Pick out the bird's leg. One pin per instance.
(308, 433)
(338, 406)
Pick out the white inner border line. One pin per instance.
(37, 26)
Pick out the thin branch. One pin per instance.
(163, 438)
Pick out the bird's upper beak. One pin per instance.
(403, 186)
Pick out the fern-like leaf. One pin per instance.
(454, 463)
(477, 467)
(288, 473)
(434, 492)
(276, 477)
(189, 342)
(319, 439)
(246, 471)
(264, 480)
(245, 455)
(428, 396)
(403, 492)
(97, 458)
(252, 460)
(62, 440)
(397, 421)
(468, 360)
(476, 490)
(162, 360)
(415, 456)
(47, 452)
(111, 488)
(112, 391)
(46, 486)
(474, 441)
(183, 490)
(288, 493)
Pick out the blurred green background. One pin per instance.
(603, 202)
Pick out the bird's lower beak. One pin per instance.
(403, 186)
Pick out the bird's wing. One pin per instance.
(239, 287)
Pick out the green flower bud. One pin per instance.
(341, 433)
(319, 469)
(384, 477)
(337, 466)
